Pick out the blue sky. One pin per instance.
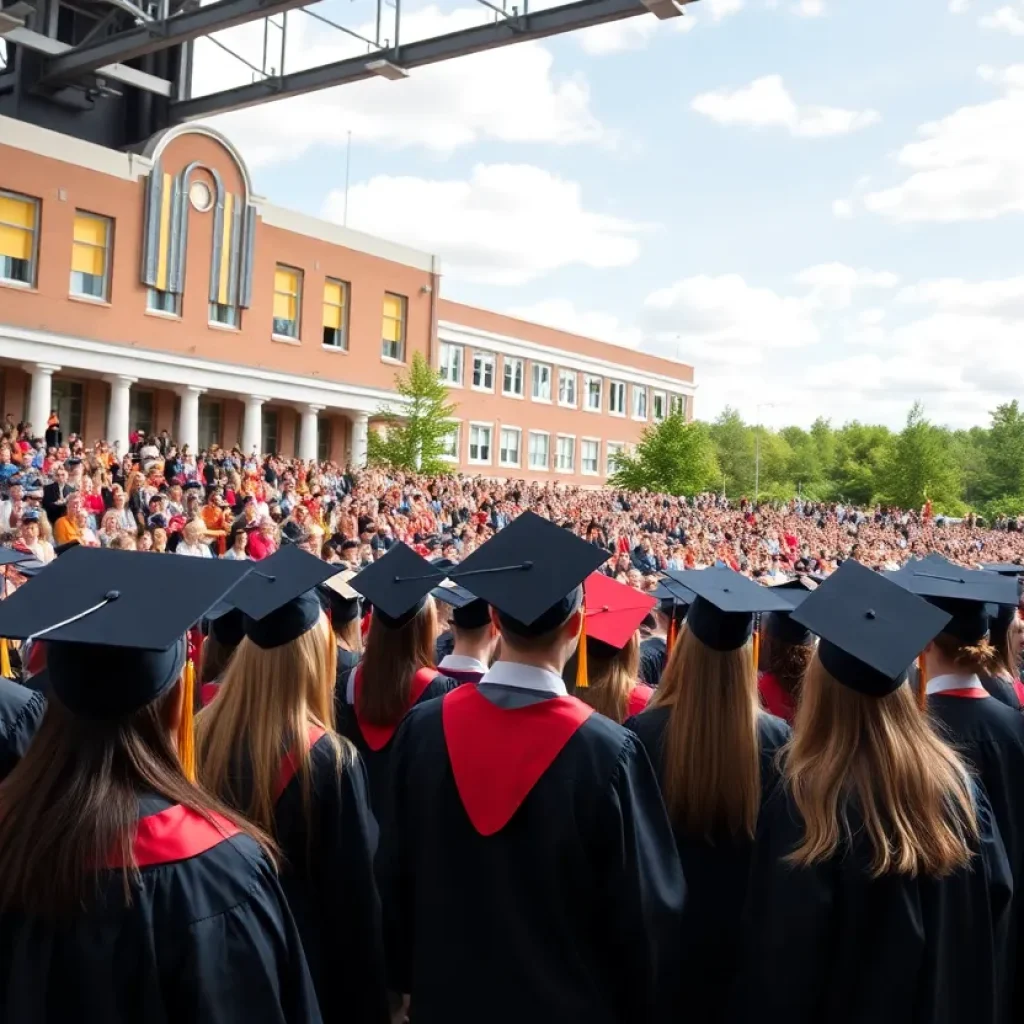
(816, 202)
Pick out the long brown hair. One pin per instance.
(981, 658)
(611, 676)
(881, 758)
(348, 635)
(213, 659)
(72, 802)
(267, 701)
(712, 765)
(390, 660)
(786, 662)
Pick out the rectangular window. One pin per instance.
(567, 387)
(508, 453)
(541, 382)
(90, 256)
(393, 327)
(222, 313)
(512, 383)
(483, 371)
(450, 368)
(335, 314)
(613, 449)
(480, 443)
(450, 441)
(19, 222)
(592, 386)
(616, 398)
(324, 438)
(68, 398)
(539, 442)
(565, 454)
(590, 456)
(287, 303)
(158, 301)
(209, 422)
(269, 431)
(678, 403)
(639, 402)
(140, 411)
(658, 401)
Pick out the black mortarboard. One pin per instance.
(1004, 568)
(279, 596)
(33, 567)
(397, 584)
(871, 628)
(780, 625)
(342, 599)
(226, 624)
(293, 533)
(673, 598)
(532, 572)
(8, 556)
(468, 611)
(723, 610)
(63, 549)
(108, 654)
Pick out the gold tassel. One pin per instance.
(673, 634)
(186, 728)
(922, 683)
(582, 682)
(5, 661)
(757, 649)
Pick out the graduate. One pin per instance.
(397, 669)
(344, 610)
(128, 894)
(713, 750)
(528, 869)
(880, 887)
(611, 667)
(267, 747)
(21, 711)
(669, 614)
(1005, 634)
(224, 627)
(474, 635)
(784, 652)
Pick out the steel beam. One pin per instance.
(552, 21)
(162, 35)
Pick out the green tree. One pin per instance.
(672, 457)
(920, 465)
(1006, 450)
(734, 449)
(416, 431)
(860, 452)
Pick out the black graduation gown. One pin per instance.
(571, 912)
(990, 736)
(716, 873)
(653, 655)
(1002, 690)
(208, 938)
(21, 711)
(831, 944)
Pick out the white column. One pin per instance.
(41, 395)
(118, 427)
(252, 427)
(188, 417)
(309, 439)
(360, 435)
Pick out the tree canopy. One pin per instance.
(674, 457)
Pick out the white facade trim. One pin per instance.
(170, 369)
(595, 366)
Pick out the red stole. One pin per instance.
(777, 701)
(207, 692)
(378, 736)
(972, 692)
(176, 834)
(638, 699)
(290, 763)
(499, 754)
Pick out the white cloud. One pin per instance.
(1001, 298)
(833, 285)
(809, 8)
(628, 33)
(766, 103)
(842, 209)
(871, 317)
(1006, 19)
(720, 9)
(511, 94)
(966, 166)
(507, 224)
(563, 315)
(959, 6)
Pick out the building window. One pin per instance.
(567, 387)
(541, 382)
(158, 301)
(483, 371)
(616, 398)
(450, 367)
(480, 443)
(90, 256)
(209, 423)
(592, 387)
(19, 221)
(287, 303)
(393, 328)
(590, 456)
(677, 403)
(508, 453)
(140, 412)
(658, 401)
(565, 454)
(539, 442)
(222, 313)
(512, 383)
(450, 444)
(639, 402)
(269, 431)
(612, 452)
(324, 438)
(68, 398)
(335, 314)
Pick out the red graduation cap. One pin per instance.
(614, 611)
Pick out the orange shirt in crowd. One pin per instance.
(65, 531)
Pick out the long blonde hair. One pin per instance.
(879, 756)
(267, 701)
(712, 768)
(611, 676)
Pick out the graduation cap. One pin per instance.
(871, 628)
(397, 585)
(723, 610)
(780, 625)
(1004, 568)
(468, 610)
(278, 597)
(531, 572)
(672, 597)
(614, 611)
(8, 556)
(342, 599)
(107, 653)
(226, 624)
